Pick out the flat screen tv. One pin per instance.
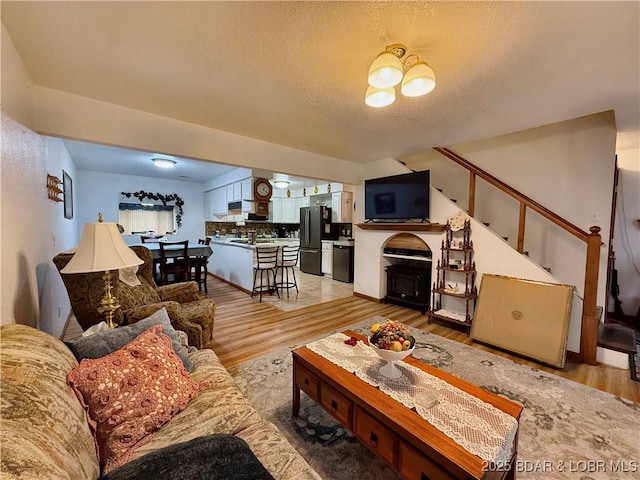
(397, 198)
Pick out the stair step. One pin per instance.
(454, 200)
(506, 239)
(525, 253)
(548, 269)
(617, 337)
(439, 189)
(486, 224)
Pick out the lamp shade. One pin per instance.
(101, 248)
(419, 80)
(379, 97)
(385, 71)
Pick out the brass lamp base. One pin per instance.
(108, 304)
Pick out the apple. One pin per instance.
(395, 346)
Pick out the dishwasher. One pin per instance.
(343, 262)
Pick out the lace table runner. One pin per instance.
(477, 426)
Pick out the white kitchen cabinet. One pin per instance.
(237, 192)
(246, 191)
(327, 257)
(222, 206)
(208, 204)
(342, 207)
(275, 210)
(229, 190)
(289, 211)
(297, 204)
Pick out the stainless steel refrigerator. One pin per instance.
(315, 226)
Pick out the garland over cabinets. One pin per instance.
(179, 203)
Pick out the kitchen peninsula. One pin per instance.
(233, 258)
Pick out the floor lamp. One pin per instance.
(102, 249)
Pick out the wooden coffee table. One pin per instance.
(398, 435)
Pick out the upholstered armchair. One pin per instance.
(187, 310)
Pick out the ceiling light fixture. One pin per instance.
(163, 162)
(280, 183)
(386, 72)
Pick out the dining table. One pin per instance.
(194, 250)
(172, 251)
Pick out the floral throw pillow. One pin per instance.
(132, 392)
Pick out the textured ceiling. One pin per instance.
(294, 73)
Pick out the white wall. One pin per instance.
(71, 116)
(490, 254)
(34, 229)
(567, 167)
(626, 241)
(100, 192)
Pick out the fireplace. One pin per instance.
(409, 285)
(409, 272)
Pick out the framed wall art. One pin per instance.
(67, 188)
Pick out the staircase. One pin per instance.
(454, 169)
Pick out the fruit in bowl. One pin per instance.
(392, 341)
(391, 335)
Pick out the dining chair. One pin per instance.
(266, 263)
(286, 262)
(198, 266)
(174, 261)
(145, 238)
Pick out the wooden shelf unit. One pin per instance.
(456, 259)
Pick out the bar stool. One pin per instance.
(286, 262)
(266, 263)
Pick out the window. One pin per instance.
(139, 218)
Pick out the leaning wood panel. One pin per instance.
(524, 316)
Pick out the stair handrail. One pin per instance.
(521, 197)
(590, 320)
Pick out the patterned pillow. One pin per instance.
(132, 392)
(103, 343)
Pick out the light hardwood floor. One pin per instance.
(246, 329)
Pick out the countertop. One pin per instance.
(344, 243)
(260, 242)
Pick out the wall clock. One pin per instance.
(262, 189)
(262, 208)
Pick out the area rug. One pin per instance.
(567, 430)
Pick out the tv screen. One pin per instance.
(400, 197)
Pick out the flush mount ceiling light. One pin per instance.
(281, 183)
(386, 72)
(163, 162)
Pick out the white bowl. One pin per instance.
(390, 370)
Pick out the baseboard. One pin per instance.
(229, 283)
(367, 297)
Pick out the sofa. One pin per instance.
(45, 433)
(188, 310)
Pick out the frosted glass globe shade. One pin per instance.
(385, 71)
(379, 97)
(418, 81)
